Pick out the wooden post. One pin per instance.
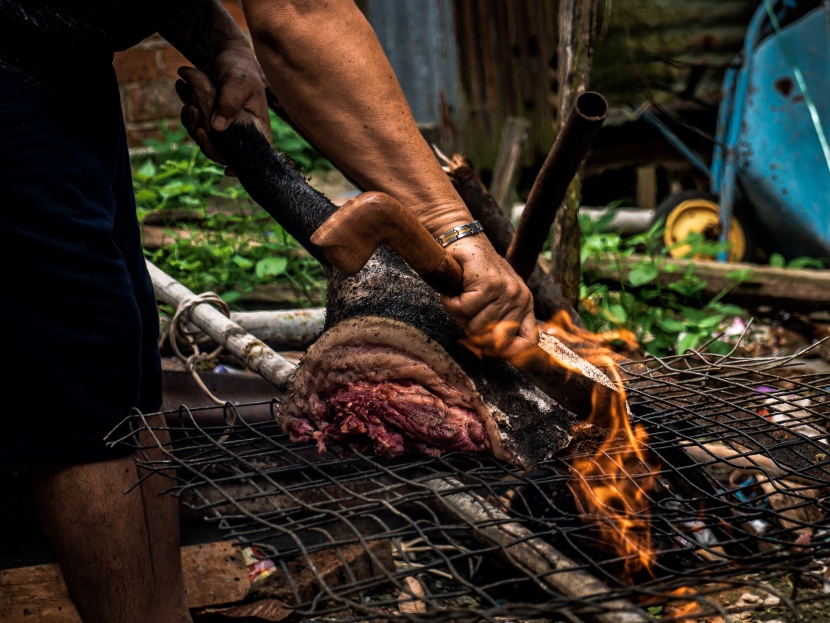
(508, 161)
(577, 25)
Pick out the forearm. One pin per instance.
(331, 75)
(204, 31)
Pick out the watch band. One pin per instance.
(456, 233)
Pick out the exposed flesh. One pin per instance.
(380, 383)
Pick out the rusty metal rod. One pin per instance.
(561, 165)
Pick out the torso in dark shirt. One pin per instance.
(52, 42)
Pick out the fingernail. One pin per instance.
(219, 123)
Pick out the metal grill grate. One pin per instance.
(734, 476)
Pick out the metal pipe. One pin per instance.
(561, 165)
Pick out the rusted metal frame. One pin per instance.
(802, 456)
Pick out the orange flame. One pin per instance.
(612, 488)
(613, 484)
(684, 607)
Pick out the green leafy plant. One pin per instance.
(218, 239)
(776, 260)
(291, 143)
(666, 317)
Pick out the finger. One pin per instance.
(492, 329)
(238, 102)
(184, 92)
(529, 329)
(471, 301)
(201, 88)
(193, 76)
(191, 119)
(526, 338)
(233, 92)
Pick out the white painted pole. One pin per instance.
(252, 352)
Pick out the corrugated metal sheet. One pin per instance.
(468, 65)
(418, 38)
(647, 47)
(507, 65)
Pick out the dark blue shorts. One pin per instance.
(79, 317)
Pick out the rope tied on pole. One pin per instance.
(182, 330)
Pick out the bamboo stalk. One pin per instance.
(253, 353)
(292, 329)
(533, 555)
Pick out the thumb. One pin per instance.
(226, 109)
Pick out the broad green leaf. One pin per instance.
(727, 309)
(805, 262)
(688, 287)
(616, 313)
(230, 296)
(688, 342)
(692, 314)
(643, 274)
(146, 170)
(740, 275)
(242, 262)
(670, 325)
(719, 347)
(707, 322)
(271, 266)
(145, 195)
(776, 260)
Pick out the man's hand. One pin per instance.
(496, 308)
(209, 37)
(237, 81)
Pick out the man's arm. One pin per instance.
(325, 63)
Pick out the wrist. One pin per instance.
(439, 219)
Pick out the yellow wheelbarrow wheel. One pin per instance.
(697, 212)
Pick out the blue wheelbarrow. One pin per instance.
(770, 172)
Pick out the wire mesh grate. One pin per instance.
(726, 497)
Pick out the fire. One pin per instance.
(683, 607)
(613, 484)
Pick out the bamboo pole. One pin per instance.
(253, 353)
(290, 329)
(533, 555)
